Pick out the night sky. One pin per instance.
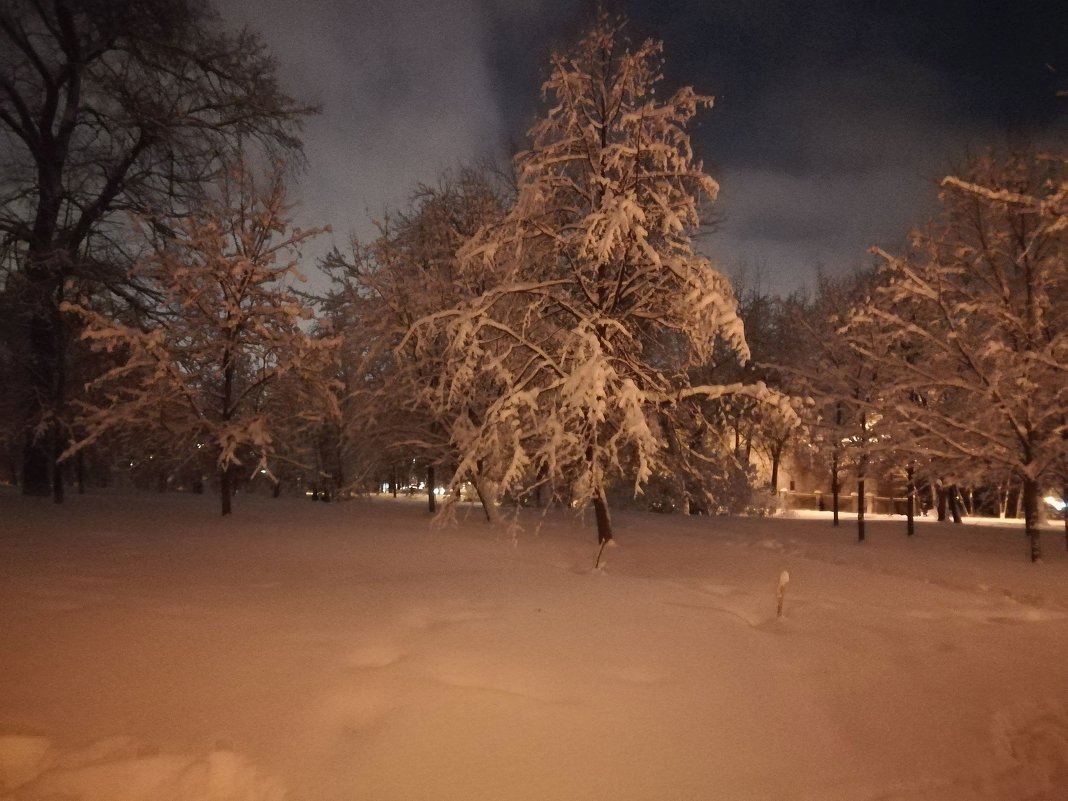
(832, 123)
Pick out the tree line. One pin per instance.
(545, 332)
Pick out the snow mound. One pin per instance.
(118, 769)
(1031, 751)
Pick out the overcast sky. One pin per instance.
(833, 119)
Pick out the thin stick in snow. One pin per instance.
(600, 551)
(780, 592)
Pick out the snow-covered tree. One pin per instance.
(775, 436)
(980, 325)
(226, 366)
(407, 272)
(599, 304)
(842, 384)
(773, 341)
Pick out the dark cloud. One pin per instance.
(792, 225)
(406, 90)
(833, 118)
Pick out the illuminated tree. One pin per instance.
(408, 271)
(226, 366)
(980, 328)
(843, 385)
(598, 304)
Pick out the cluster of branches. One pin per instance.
(147, 278)
(107, 109)
(949, 363)
(380, 290)
(552, 335)
(222, 371)
(552, 330)
(970, 329)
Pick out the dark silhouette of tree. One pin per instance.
(108, 107)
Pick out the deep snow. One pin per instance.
(150, 651)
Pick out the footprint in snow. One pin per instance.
(357, 709)
(374, 656)
(492, 674)
(424, 618)
(1031, 751)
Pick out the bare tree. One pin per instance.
(108, 106)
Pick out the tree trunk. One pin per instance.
(543, 473)
(1064, 511)
(834, 487)
(776, 454)
(11, 457)
(1030, 494)
(79, 472)
(58, 467)
(604, 522)
(860, 508)
(393, 482)
(942, 502)
(45, 360)
(226, 473)
(36, 472)
(910, 500)
(430, 499)
(41, 386)
(226, 489)
(485, 496)
(488, 508)
(954, 502)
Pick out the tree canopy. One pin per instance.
(109, 107)
(599, 302)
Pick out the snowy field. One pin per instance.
(151, 651)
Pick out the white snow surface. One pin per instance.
(151, 651)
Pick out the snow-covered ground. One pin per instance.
(151, 651)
